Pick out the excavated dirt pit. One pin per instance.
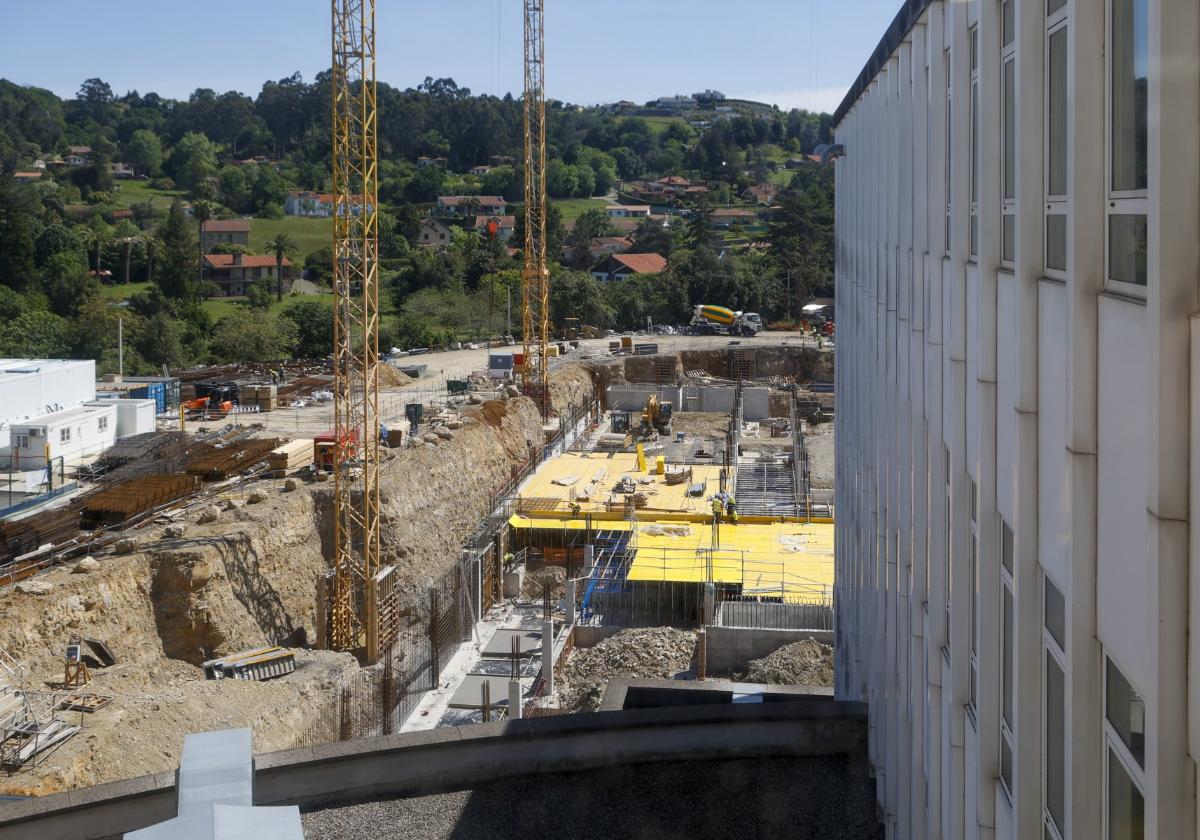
(245, 580)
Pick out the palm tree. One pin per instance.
(127, 235)
(281, 245)
(470, 206)
(153, 247)
(97, 235)
(202, 211)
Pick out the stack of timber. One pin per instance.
(120, 502)
(290, 456)
(216, 463)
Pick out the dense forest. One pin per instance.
(189, 160)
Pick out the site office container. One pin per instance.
(72, 435)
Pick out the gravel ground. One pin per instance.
(645, 653)
(795, 798)
(819, 440)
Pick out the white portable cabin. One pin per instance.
(32, 388)
(134, 417)
(72, 435)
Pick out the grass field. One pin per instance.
(222, 306)
(573, 208)
(659, 124)
(122, 292)
(136, 192)
(310, 234)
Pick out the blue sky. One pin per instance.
(795, 53)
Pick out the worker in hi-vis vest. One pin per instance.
(718, 506)
(731, 510)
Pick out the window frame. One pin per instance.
(1007, 634)
(1008, 167)
(64, 434)
(1120, 202)
(1115, 744)
(1051, 652)
(946, 56)
(1057, 22)
(973, 603)
(949, 541)
(973, 146)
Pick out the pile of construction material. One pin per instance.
(645, 653)
(113, 505)
(262, 663)
(807, 662)
(291, 456)
(216, 462)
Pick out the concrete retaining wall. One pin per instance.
(633, 397)
(456, 758)
(730, 648)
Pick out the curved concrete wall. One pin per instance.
(455, 758)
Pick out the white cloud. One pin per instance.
(821, 99)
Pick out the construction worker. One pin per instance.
(731, 510)
(575, 510)
(717, 507)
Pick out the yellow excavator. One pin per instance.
(656, 417)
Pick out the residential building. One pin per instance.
(726, 217)
(498, 227)
(424, 162)
(501, 160)
(620, 266)
(27, 177)
(236, 273)
(1018, 397)
(675, 103)
(307, 203)
(452, 205)
(627, 211)
(480, 170)
(216, 232)
(434, 233)
(605, 245)
(78, 155)
(709, 96)
(762, 194)
(122, 171)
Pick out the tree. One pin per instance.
(697, 226)
(590, 225)
(35, 334)
(653, 237)
(177, 271)
(144, 152)
(66, 283)
(281, 246)
(202, 212)
(16, 235)
(319, 265)
(55, 239)
(192, 161)
(160, 342)
(126, 236)
(259, 296)
(247, 336)
(314, 328)
(577, 294)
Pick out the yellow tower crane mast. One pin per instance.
(535, 286)
(350, 607)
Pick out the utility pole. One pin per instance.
(121, 347)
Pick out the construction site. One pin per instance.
(589, 553)
(181, 586)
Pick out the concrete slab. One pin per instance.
(469, 692)
(500, 645)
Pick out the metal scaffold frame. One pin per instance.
(351, 606)
(535, 286)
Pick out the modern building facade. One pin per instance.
(1018, 242)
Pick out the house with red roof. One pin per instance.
(452, 205)
(224, 232)
(496, 227)
(236, 273)
(620, 266)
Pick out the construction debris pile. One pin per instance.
(648, 653)
(806, 662)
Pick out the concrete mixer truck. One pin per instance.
(711, 320)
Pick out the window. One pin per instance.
(64, 435)
(974, 233)
(1054, 733)
(946, 577)
(1127, 141)
(949, 158)
(1056, 614)
(1125, 811)
(1125, 712)
(21, 441)
(973, 601)
(1007, 674)
(102, 423)
(1008, 129)
(1056, 136)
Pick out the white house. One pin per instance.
(311, 204)
(434, 233)
(627, 211)
(1018, 418)
(452, 205)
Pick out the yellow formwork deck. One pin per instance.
(772, 558)
(586, 466)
